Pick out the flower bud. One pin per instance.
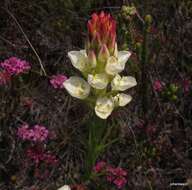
(102, 30)
(103, 54)
(92, 61)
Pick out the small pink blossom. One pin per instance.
(120, 182)
(15, 66)
(117, 175)
(119, 172)
(38, 155)
(23, 131)
(57, 81)
(158, 86)
(37, 133)
(99, 166)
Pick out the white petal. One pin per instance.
(122, 99)
(113, 66)
(77, 87)
(98, 81)
(123, 83)
(65, 187)
(78, 59)
(104, 107)
(123, 56)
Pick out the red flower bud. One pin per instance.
(102, 30)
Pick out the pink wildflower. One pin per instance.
(40, 133)
(120, 182)
(158, 86)
(38, 155)
(99, 166)
(4, 77)
(116, 176)
(36, 134)
(22, 131)
(57, 81)
(119, 172)
(15, 66)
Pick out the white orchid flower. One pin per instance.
(117, 64)
(104, 107)
(78, 59)
(98, 81)
(77, 87)
(122, 99)
(122, 83)
(65, 187)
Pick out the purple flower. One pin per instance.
(15, 66)
(57, 81)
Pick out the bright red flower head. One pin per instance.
(102, 30)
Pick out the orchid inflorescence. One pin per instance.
(100, 64)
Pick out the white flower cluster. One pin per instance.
(102, 81)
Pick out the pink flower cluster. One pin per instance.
(117, 176)
(15, 66)
(38, 155)
(57, 81)
(158, 86)
(37, 133)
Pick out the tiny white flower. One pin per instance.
(117, 64)
(122, 83)
(65, 187)
(98, 81)
(122, 99)
(78, 59)
(77, 87)
(104, 107)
